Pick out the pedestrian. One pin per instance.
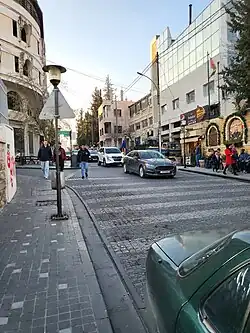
(44, 156)
(230, 161)
(62, 156)
(198, 154)
(216, 160)
(83, 159)
(243, 160)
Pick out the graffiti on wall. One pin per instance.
(2, 176)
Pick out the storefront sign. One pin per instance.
(201, 113)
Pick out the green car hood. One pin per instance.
(182, 246)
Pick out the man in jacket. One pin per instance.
(45, 155)
(83, 159)
(62, 157)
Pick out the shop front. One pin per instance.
(197, 122)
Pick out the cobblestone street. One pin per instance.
(47, 282)
(134, 212)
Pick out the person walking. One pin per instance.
(198, 154)
(83, 159)
(62, 157)
(44, 156)
(230, 161)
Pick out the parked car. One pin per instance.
(93, 155)
(200, 282)
(148, 162)
(109, 156)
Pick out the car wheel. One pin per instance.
(99, 162)
(125, 168)
(104, 162)
(141, 172)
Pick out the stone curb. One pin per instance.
(83, 251)
(239, 178)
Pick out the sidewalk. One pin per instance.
(47, 281)
(241, 176)
(37, 166)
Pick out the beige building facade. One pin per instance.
(141, 124)
(22, 56)
(113, 122)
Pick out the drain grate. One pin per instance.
(46, 202)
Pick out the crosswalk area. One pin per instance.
(134, 212)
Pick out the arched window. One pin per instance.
(213, 137)
(24, 35)
(27, 68)
(14, 101)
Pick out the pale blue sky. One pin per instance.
(100, 37)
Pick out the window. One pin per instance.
(23, 35)
(119, 129)
(14, 28)
(211, 88)
(112, 151)
(16, 60)
(190, 97)
(164, 108)
(27, 68)
(151, 121)
(165, 128)
(226, 307)
(213, 136)
(131, 128)
(38, 47)
(144, 123)
(119, 113)
(137, 126)
(14, 101)
(176, 103)
(177, 124)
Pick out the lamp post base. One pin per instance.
(57, 217)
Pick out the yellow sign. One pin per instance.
(153, 49)
(200, 113)
(100, 111)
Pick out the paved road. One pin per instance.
(134, 212)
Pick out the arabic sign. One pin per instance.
(200, 114)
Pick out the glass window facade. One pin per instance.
(189, 50)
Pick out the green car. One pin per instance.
(199, 282)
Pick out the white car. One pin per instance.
(109, 156)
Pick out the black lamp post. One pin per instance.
(54, 72)
(183, 125)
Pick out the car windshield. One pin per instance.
(147, 155)
(112, 151)
(92, 151)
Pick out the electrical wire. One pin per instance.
(5, 50)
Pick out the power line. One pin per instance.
(5, 50)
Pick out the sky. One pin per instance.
(94, 38)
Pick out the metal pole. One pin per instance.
(116, 123)
(184, 142)
(218, 78)
(58, 178)
(92, 128)
(71, 148)
(158, 101)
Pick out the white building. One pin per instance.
(22, 56)
(183, 73)
(113, 120)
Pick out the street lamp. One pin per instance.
(159, 107)
(183, 125)
(55, 72)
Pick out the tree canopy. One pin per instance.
(237, 74)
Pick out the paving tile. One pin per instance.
(13, 240)
(17, 305)
(61, 249)
(13, 264)
(54, 241)
(29, 235)
(3, 320)
(44, 261)
(66, 330)
(23, 251)
(62, 286)
(43, 275)
(26, 244)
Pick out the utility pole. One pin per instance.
(92, 128)
(208, 82)
(158, 99)
(116, 123)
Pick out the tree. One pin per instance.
(108, 89)
(237, 75)
(84, 128)
(95, 104)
